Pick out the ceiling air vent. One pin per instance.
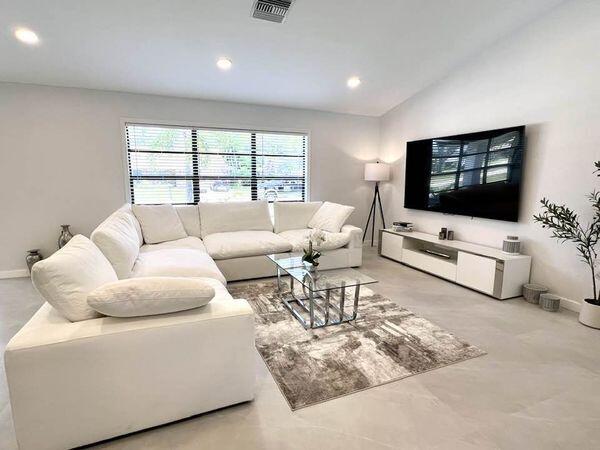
(271, 10)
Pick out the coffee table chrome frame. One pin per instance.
(311, 296)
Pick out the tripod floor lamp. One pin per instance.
(375, 172)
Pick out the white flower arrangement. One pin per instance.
(316, 238)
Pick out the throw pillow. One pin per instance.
(150, 296)
(65, 278)
(159, 223)
(331, 217)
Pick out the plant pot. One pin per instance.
(532, 292)
(311, 266)
(590, 314)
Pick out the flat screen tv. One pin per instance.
(475, 174)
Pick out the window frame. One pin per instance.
(220, 127)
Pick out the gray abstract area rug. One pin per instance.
(386, 343)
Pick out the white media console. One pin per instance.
(484, 269)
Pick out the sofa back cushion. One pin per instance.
(234, 216)
(190, 218)
(67, 277)
(159, 223)
(119, 237)
(293, 215)
(331, 217)
(150, 296)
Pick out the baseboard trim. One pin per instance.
(569, 304)
(19, 273)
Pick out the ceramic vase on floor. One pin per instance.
(32, 257)
(590, 314)
(65, 236)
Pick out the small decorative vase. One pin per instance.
(590, 314)
(32, 257)
(511, 245)
(65, 236)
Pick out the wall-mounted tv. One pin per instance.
(475, 174)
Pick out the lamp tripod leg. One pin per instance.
(380, 208)
(371, 213)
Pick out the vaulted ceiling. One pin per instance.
(396, 47)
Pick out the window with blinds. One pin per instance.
(186, 165)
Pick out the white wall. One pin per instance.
(61, 156)
(547, 77)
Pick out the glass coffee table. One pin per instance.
(324, 293)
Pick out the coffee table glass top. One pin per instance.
(287, 260)
(319, 280)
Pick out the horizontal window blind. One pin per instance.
(185, 165)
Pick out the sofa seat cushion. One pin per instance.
(299, 239)
(49, 327)
(176, 262)
(190, 243)
(237, 244)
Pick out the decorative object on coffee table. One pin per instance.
(32, 257)
(532, 292)
(386, 343)
(511, 245)
(65, 236)
(376, 172)
(565, 226)
(311, 256)
(549, 302)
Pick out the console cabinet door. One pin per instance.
(476, 272)
(391, 246)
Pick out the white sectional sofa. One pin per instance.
(76, 383)
(226, 241)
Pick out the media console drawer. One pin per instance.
(476, 272)
(391, 246)
(429, 263)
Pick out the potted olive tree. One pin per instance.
(566, 227)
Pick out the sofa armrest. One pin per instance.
(355, 236)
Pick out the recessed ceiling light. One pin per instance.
(224, 63)
(26, 36)
(353, 82)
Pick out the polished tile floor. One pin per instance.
(537, 388)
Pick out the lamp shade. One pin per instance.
(377, 172)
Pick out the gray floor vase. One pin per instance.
(386, 343)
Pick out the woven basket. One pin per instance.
(549, 302)
(532, 292)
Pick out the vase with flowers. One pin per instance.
(311, 253)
